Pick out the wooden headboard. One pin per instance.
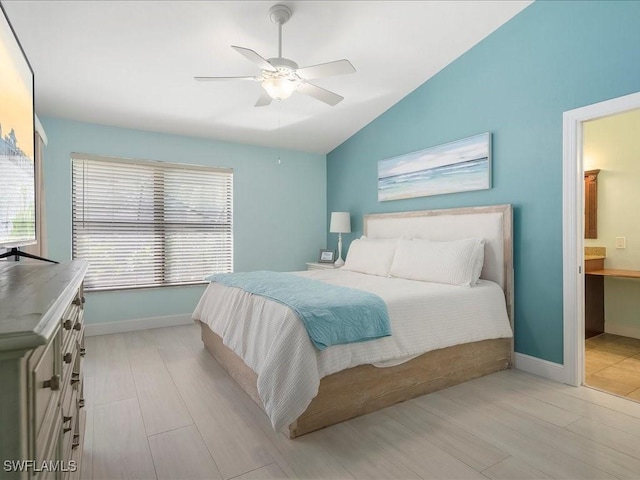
(493, 223)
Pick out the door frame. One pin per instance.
(573, 227)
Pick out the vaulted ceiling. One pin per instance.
(132, 63)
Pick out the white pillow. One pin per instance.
(372, 256)
(458, 262)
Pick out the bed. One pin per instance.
(321, 388)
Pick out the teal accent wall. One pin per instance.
(516, 84)
(279, 209)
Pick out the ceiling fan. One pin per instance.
(281, 77)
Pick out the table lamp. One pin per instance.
(340, 223)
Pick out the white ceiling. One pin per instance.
(131, 63)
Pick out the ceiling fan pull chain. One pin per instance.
(279, 134)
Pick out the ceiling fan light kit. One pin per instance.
(279, 88)
(281, 77)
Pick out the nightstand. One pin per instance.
(320, 266)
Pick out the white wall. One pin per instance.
(612, 144)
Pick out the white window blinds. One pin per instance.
(146, 223)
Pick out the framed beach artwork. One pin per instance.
(460, 166)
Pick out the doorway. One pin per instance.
(574, 229)
(612, 258)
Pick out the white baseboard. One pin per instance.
(623, 330)
(540, 367)
(93, 329)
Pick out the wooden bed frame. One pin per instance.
(365, 388)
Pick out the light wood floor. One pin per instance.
(160, 407)
(612, 364)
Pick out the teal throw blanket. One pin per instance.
(331, 314)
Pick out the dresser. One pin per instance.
(41, 353)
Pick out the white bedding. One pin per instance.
(273, 342)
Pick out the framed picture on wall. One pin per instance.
(327, 256)
(460, 166)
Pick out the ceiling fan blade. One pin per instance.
(215, 79)
(264, 100)
(254, 57)
(339, 67)
(321, 94)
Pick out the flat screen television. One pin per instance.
(17, 143)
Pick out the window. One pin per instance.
(145, 223)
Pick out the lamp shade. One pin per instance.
(340, 222)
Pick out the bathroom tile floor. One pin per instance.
(612, 364)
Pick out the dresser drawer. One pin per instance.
(76, 375)
(77, 447)
(80, 402)
(69, 408)
(48, 445)
(68, 360)
(45, 382)
(70, 427)
(71, 355)
(66, 443)
(67, 321)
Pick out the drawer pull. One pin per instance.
(78, 301)
(77, 326)
(66, 429)
(67, 324)
(76, 440)
(67, 357)
(53, 383)
(66, 419)
(83, 351)
(81, 403)
(75, 378)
